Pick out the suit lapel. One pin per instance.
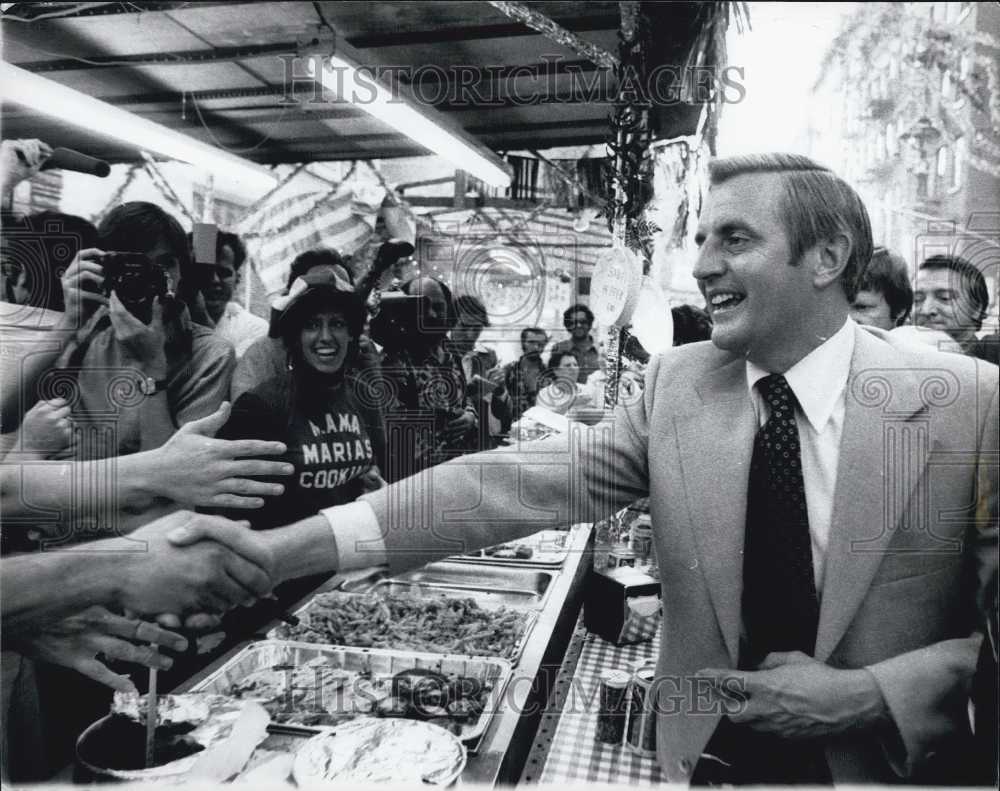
(716, 444)
(874, 483)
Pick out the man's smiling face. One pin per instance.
(757, 300)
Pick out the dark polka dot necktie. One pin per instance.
(780, 605)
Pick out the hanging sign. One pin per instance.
(614, 289)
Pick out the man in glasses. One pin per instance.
(578, 320)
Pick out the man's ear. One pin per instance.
(830, 258)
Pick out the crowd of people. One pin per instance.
(207, 464)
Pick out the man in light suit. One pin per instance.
(824, 505)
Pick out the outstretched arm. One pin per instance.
(193, 470)
(143, 573)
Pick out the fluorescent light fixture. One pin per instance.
(70, 106)
(341, 77)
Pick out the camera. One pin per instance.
(136, 280)
(399, 318)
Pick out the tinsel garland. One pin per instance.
(556, 33)
(311, 213)
(262, 201)
(164, 187)
(130, 175)
(613, 365)
(629, 179)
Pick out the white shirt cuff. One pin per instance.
(358, 536)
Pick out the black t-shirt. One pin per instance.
(332, 441)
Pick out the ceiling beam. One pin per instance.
(178, 58)
(429, 77)
(49, 11)
(447, 35)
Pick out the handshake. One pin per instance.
(182, 569)
(187, 568)
(121, 598)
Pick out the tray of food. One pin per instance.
(515, 581)
(485, 596)
(405, 753)
(547, 548)
(208, 739)
(452, 624)
(306, 686)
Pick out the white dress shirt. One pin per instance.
(819, 381)
(240, 327)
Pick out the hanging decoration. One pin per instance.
(116, 197)
(164, 187)
(264, 199)
(556, 33)
(629, 176)
(308, 215)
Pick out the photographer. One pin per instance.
(139, 355)
(212, 287)
(425, 384)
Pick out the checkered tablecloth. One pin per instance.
(574, 755)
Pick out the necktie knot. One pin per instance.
(776, 392)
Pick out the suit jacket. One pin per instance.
(913, 532)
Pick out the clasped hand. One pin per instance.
(794, 696)
(228, 565)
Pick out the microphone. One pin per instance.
(68, 159)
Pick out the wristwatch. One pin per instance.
(149, 386)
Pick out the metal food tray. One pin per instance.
(508, 584)
(544, 543)
(511, 598)
(423, 592)
(380, 662)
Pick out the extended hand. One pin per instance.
(197, 471)
(210, 576)
(76, 641)
(794, 696)
(46, 428)
(142, 343)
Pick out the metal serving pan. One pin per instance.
(484, 595)
(419, 592)
(380, 663)
(512, 582)
(549, 549)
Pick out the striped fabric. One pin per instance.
(276, 233)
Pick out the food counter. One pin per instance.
(499, 754)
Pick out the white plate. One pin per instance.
(380, 751)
